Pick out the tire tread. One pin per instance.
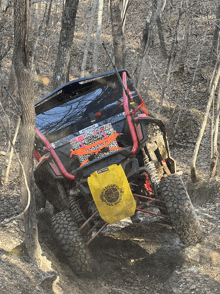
(71, 242)
(180, 209)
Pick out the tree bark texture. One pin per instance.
(147, 39)
(196, 150)
(26, 94)
(183, 52)
(86, 50)
(161, 38)
(117, 33)
(214, 159)
(12, 151)
(48, 14)
(98, 36)
(33, 63)
(65, 43)
(217, 29)
(125, 5)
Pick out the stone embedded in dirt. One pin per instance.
(191, 280)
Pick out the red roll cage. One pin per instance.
(128, 114)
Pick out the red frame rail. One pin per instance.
(128, 116)
(54, 155)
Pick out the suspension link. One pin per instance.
(151, 167)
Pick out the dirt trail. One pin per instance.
(147, 257)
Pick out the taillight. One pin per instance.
(37, 155)
(98, 114)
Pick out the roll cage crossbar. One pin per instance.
(128, 114)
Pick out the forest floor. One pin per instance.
(134, 258)
(147, 257)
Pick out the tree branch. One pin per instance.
(2, 224)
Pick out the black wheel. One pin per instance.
(180, 209)
(72, 243)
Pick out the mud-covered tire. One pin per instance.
(71, 242)
(180, 209)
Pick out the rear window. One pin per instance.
(68, 113)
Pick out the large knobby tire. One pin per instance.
(72, 243)
(180, 209)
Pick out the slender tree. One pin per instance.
(125, 5)
(117, 33)
(98, 36)
(35, 43)
(215, 155)
(217, 29)
(196, 150)
(162, 4)
(26, 94)
(65, 43)
(147, 40)
(86, 50)
(145, 45)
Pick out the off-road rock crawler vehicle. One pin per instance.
(102, 158)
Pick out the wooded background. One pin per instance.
(170, 48)
(154, 40)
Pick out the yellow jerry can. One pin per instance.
(112, 194)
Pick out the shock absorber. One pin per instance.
(152, 169)
(80, 218)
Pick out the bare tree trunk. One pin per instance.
(215, 156)
(48, 14)
(98, 36)
(171, 60)
(35, 42)
(86, 50)
(183, 52)
(124, 12)
(26, 94)
(196, 150)
(217, 29)
(117, 33)
(147, 39)
(65, 43)
(146, 42)
(12, 82)
(47, 20)
(12, 151)
(161, 38)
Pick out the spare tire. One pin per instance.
(180, 209)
